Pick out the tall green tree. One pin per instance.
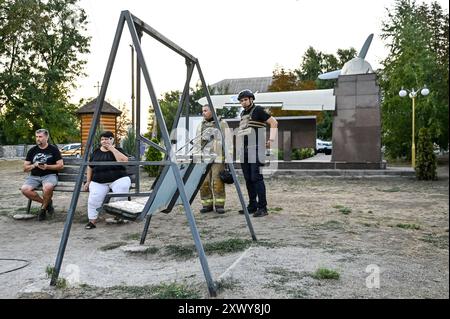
(123, 123)
(198, 92)
(311, 66)
(195, 94)
(284, 80)
(169, 106)
(438, 24)
(41, 48)
(314, 63)
(415, 37)
(128, 142)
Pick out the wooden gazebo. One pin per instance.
(108, 119)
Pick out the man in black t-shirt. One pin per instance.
(252, 128)
(43, 161)
(101, 179)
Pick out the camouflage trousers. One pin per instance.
(212, 191)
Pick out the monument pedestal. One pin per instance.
(357, 121)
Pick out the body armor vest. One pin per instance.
(247, 124)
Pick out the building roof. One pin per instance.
(233, 86)
(106, 109)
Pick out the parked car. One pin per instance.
(323, 147)
(71, 150)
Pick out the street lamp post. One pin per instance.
(413, 94)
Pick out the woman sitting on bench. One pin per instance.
(101, 179)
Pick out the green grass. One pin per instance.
(275, 209)
(49, 271)
(345, 210)
(408, 226)
(220, 247)
(132, 236)
(172, 290)
(227, 246)
(390, 190)
(161, 291)
(179, 251)
(61, 283)
(324, 273)
(113, 246)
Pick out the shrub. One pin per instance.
(306, 153)
(153, 155)
(129, 142)
(302, 153)
(426, 159)
(324, 273)
(279, 154)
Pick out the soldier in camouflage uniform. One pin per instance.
(212, 191)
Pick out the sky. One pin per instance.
(231, 39)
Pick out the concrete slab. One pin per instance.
(24, 216)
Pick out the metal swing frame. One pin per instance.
(137, 28)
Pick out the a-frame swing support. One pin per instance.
(137, 27)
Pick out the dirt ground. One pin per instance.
(377, 237)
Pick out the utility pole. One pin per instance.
(132, 86)
(98, 86)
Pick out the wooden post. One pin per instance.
(287, 146)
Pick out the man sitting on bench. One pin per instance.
(43, 161)
(100, 179)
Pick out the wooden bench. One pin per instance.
(68, 175)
